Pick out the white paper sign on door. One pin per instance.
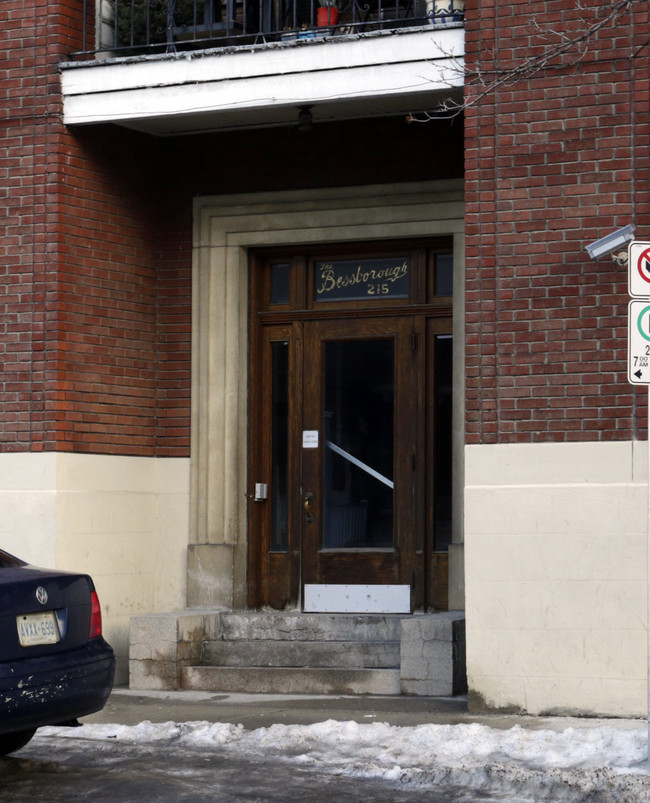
(310, 439)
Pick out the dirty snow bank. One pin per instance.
(593, 763)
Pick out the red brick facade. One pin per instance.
(554, 159)
(80, 343)
(96, 248)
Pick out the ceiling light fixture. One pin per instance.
(305, 118)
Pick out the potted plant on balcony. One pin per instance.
(445, 10)
(327, 14)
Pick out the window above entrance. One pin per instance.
(400, 275)
(361, 279)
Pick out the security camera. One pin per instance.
(611, 242)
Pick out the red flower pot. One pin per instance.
(327, 15)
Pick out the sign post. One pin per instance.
(638, 367)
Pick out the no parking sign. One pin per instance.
(639, 269)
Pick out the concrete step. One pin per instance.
(343, 654)
(282, 680)
(270, 626)
(168, 651)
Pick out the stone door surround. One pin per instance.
(225, 227)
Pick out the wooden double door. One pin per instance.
(349, 475)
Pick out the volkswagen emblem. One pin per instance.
(41, 595)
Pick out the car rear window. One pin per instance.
(8, 561)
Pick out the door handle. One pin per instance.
(308, 504)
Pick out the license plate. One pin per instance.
(37, 628)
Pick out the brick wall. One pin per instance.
(105, 340)
(174, 227)
(95, 254)
(96, 246)
(28, 101)
(554, 160)
(80, 344)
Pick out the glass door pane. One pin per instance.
(359, 392)
(279, 446)
(443, 367)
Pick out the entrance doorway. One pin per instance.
(350, 420)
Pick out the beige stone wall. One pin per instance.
(123, 520)
(555, 559)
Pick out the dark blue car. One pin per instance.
(54, 664)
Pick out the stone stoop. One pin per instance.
(299, 653)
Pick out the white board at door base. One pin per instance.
(340, 598)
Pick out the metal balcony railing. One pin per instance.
(135, 27)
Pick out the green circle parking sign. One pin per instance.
(639, 323)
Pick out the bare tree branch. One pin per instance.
(562, 43)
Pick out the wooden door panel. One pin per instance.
(321, 545)
(376, 560)
(273, 533)
(374, 567)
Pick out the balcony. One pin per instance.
(127, 27)
(243, 63)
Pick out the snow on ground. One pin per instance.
(579, 763)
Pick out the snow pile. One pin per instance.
(598, 763)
